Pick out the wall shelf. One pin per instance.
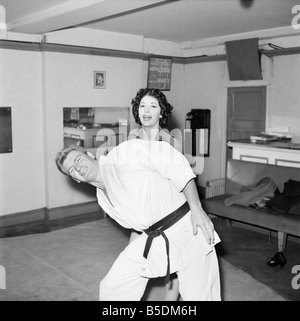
(281, 52)
(44, 46)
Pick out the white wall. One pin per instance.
(22, 184)
(206, 86)
(285, 93)
(204, 90)
(69, 83)
(37, 85)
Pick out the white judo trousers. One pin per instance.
(199, 281)
(144, 183)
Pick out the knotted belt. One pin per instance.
(158, 229)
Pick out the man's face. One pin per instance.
(81, 167)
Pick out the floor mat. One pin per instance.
(68, 264)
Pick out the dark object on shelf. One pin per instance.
(289, 200)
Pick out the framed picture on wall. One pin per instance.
(159, 73)
(99, 79)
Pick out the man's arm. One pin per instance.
(198, 215)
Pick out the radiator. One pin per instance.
(215, 187)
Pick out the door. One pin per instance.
(246, 112)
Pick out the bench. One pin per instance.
(270, 219)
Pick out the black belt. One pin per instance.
(158, 229)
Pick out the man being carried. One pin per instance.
(149, 186)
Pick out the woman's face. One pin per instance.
(149, 112)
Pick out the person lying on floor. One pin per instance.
(149, 186)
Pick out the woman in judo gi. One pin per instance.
(152, 111)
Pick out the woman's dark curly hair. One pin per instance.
(166, 108)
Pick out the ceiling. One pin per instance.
(177, 21)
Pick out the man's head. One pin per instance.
(76, 162)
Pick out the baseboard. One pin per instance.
(45, 214)
(73, 210)
(22, 217)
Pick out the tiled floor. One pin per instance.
(64, 262)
